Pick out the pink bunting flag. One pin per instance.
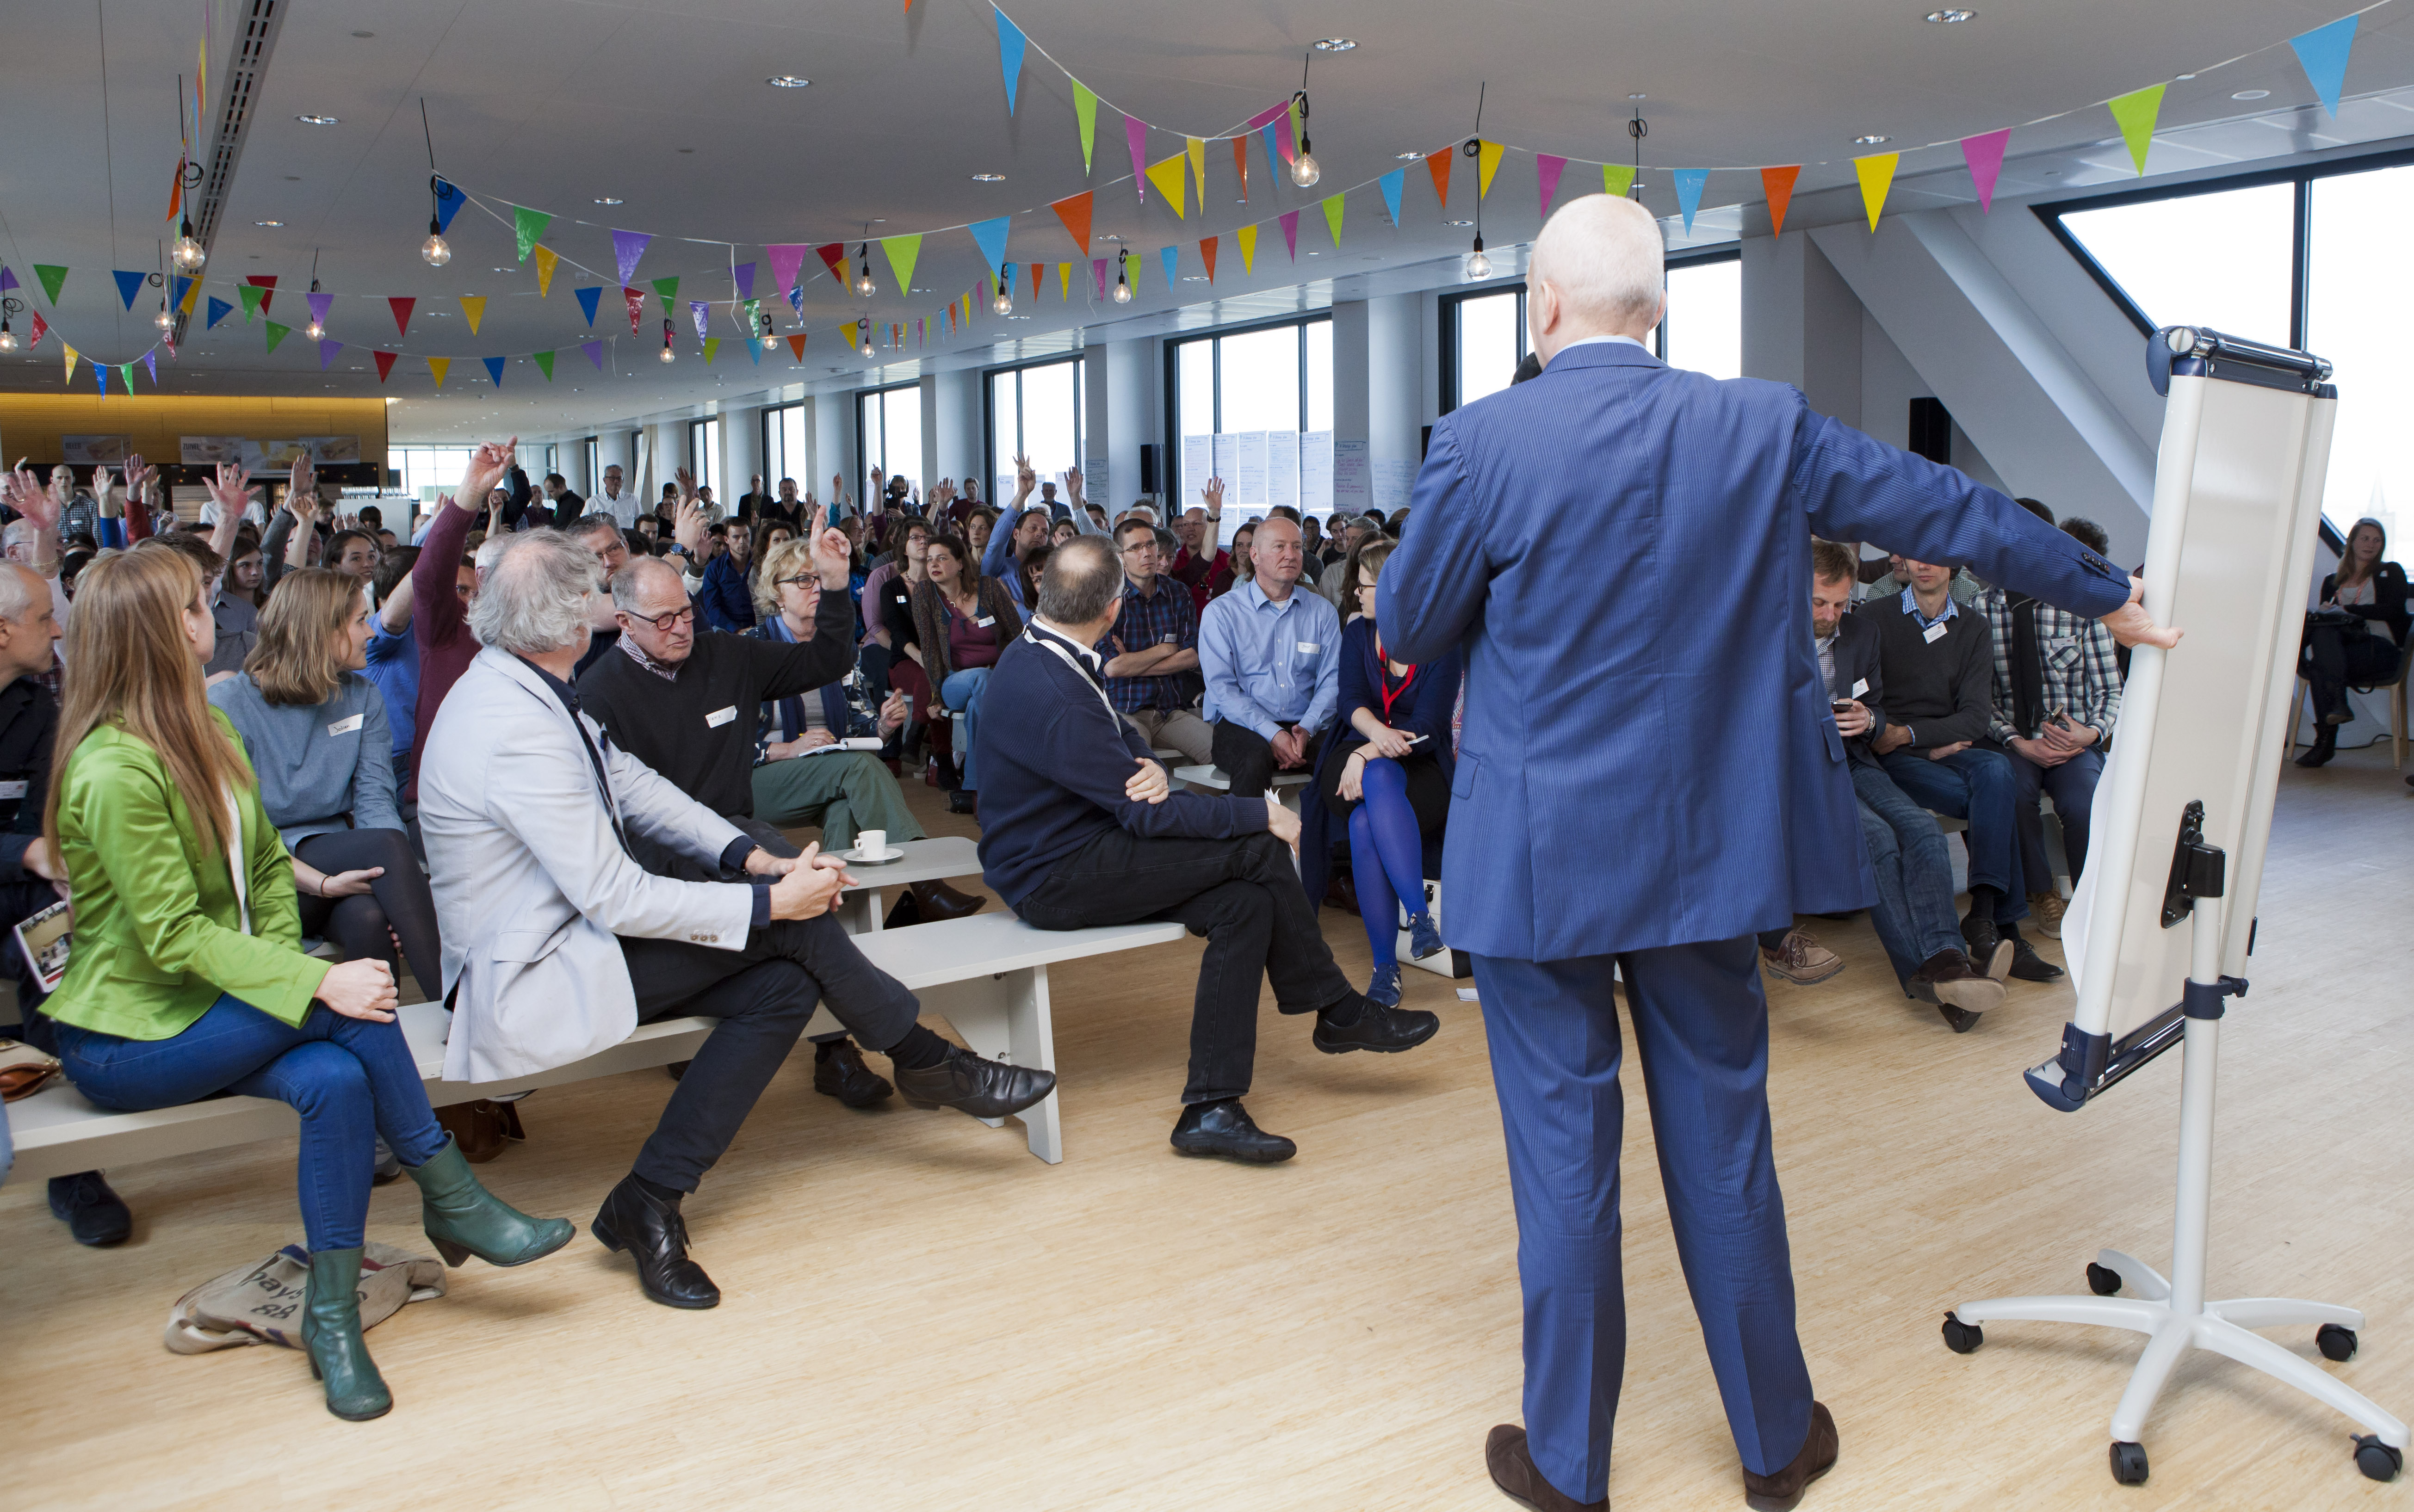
(1098, 266)
(1985, 155)
(1282, 135)
(1265, 117)
(1135, 135)
(1290, 233)
(1547, 169)
(786, 258)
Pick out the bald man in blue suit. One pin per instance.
(1648, 776)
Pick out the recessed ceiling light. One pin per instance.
(507, 270)
(1200, 278)
(2184, 76)
(989, 178)
(610, 199)
(787, 80)
(1335, 44)
(1951, 17)
(1458, 223)
(364, 33)
(2252, 93)
(1407, 157)
(1873, 139)
(1638, 95)
(268, 223)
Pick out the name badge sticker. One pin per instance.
(1860, 686)
(12, 790)
(346, 727)
(1933, 633)
(720, 716)
(984, 621)
(1169, 638)
(1309, 649)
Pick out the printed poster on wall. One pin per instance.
(1227, 462)
(83, 450)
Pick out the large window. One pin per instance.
(888, 435)
(593, 481)
(703, 459)
(1036, 412)
(1484, 334)
(1274, 380)
(784, 450)
(429, 470)
(1703, 329)
(2312, 258)
(1483, 339)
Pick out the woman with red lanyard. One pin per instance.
(1388, 778)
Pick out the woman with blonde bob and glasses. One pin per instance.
(315, 728)
(187, 978)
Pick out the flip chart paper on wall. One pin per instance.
(1228, 461)
(1247, 482)
(1282, 468)
(1352, 477)
(1198, 465)
(1316, 473)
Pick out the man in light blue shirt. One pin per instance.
(1272, 657)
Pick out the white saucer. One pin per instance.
(858, 858)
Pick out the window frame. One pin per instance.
(1173, 345)
(702, 460)
(1689, 260)
(770, 427)
(862, 452)
(988, 409)
(1448, 333)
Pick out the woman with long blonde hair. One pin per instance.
(187, 978)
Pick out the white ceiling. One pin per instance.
(661, 103)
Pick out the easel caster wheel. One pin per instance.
(2102, 1281)
(2336, 1344)
(2377, 1461)
(1962, 1337)
(2129, 1463)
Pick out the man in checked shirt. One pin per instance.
(2057, 693)
(1152, 655)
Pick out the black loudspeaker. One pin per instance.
(1932, 431)
(1149, 482)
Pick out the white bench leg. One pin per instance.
(859, 912)
(1006, 1019)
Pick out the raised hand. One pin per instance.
(833, 555)
(685, 481)
(688, 525)
(1025, 480)
(138, 474)
(304, 477)
(24, 492)
(1213, 494)
(1071, 481)
(487, 465)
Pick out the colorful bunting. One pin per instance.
(1167, 176)
(1134, 137)
(635, 300)
(267, 282)
(40, 327)
(440, 366)
(473, 309)
(1085, 108)
(1065, 282)
(1547, 169)
(2135, 114)
(594, 350)
(192, 293)
(546, 258)
(1286, 129)
(1197, 146)
(1690, 181)
(628, 246)
(72, 354)
(327, 350)
(1207, 255)
(219, 310)
(668, 290)
(796, 344)
(786, 258)
(129, 285)
(1985, 154)
(846, 333)
(544, 361)
(527, 226)
(833, 255)
(1173, 256)
(251, 294)
(1487, 162)
(1074, 211)
(1877, 175)
(1247, 237)
(276, 334)
(320, 304)
(1332, 215)
(2322, 53)
(151, 360)
(401, 308)
(1266, 135)
(1011, 44)
(448, 204)
(100, 376)
(126, 371)
(702, 313)
(1098, 268)
(1291, 232)
(591, 299)
(1777, 183)
(712, 346)
(8, 279)
(52, 277)
(1241, 165)
(1438, 164)
(989, 235)
(1616, 179)
(1038, 271)
(384, 363)
(743, 276)
(493, 366)
(903, 251)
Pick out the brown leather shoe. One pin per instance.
(1780, 1492)
(936, 901)
(1511, 1464)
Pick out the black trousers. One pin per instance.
(400, 900)
(2332, 662)
(763, 994)
(1242, 895)
(1248, 759)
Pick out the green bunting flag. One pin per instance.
(2135, 112)
(250, 294)
(1332, 215)
(1085, 106)
(1618, 179)
(276, 334)
(52, 277)
(527, 226)
(544, 361)
(668, 288)
(901, 252)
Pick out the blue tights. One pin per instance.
(1387, 856)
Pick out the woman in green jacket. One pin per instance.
(186, 976)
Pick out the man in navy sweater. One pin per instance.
(1078, 829)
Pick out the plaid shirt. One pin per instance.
(1167, 614)
(2079, 675)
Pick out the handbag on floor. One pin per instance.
(482, 1127)
(261, 1304)
(23, 1070)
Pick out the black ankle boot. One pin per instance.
(2325, 746)
(655, 1235)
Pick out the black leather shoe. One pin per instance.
(842, 1075)
(1980, 936)
(1780, 1492)
(963, 801)
(935, 900)
(1510, 1459)
(1385, 1031)
(984, 1088)
(655, 1235)
(2031, 967)
(1225, 1130)
(93, 1213)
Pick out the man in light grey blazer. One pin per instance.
(557, 943)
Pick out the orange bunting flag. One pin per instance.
(1074, 211)
(1438, 164)
(1038, 271)
(1247, 237)
(796, 344)
(1777, 183)
(1241, 165)
(1207, 255)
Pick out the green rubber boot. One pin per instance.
(463, 1218)
(331, 1336)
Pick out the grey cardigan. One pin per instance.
(317, 764)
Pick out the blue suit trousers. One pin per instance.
(1701, 1028)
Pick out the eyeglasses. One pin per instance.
(1143, 549)
(664, 622)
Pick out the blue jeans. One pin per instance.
(8, 1147)
(1701, 1030)
(1978, 786)
(1914, 909)
(349, 1078)
(2073, 786)
(963, 692)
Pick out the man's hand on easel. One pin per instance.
(2131, 624)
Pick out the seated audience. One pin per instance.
(316, 733)
(1272, 657)
(1938, 664)
(1386, 777)
(2056, 692)
(1914, 912)
(443, 582)
(725, 604)
(961, 622)
(1152, 653)
(978, 526)
(2354, 640)
(1896, 577)
(1201, 565)
(527, 806)
(887, 596)
(1082, 831)
(1244, 566)
(610, 549)
(187, 978)
(394, 654)
(616, 500)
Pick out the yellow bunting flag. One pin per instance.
(72, 355)
(1199, 165)
(1877, 176)
(545, 258)
(1247, 237)
(192, 295)
(473, 309)
(1332, 215)
(1487, 162)
(1618, 179)
(1065, 281)
(712, 345)
(438, 366)
(846, 333)
(1168, 178)
(2135, 112)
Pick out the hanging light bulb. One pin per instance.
(189, 254)
(164, 320)
(436, 252)
(316, 330)
(1303, 168)
(8, 338)
(1004, 303)
(668, 355)
(1122, 278)
(1477, 265)
(864, 287)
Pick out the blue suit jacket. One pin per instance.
(1622, 552)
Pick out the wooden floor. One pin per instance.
(919, 1314)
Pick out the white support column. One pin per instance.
(1120, 415)
(1350, 399)
(741, 452)
(833, 432)
(953, 426)
(1394, 395)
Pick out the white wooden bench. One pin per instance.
(986, 974)
(2053, 851)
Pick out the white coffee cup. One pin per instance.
(871, 842)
